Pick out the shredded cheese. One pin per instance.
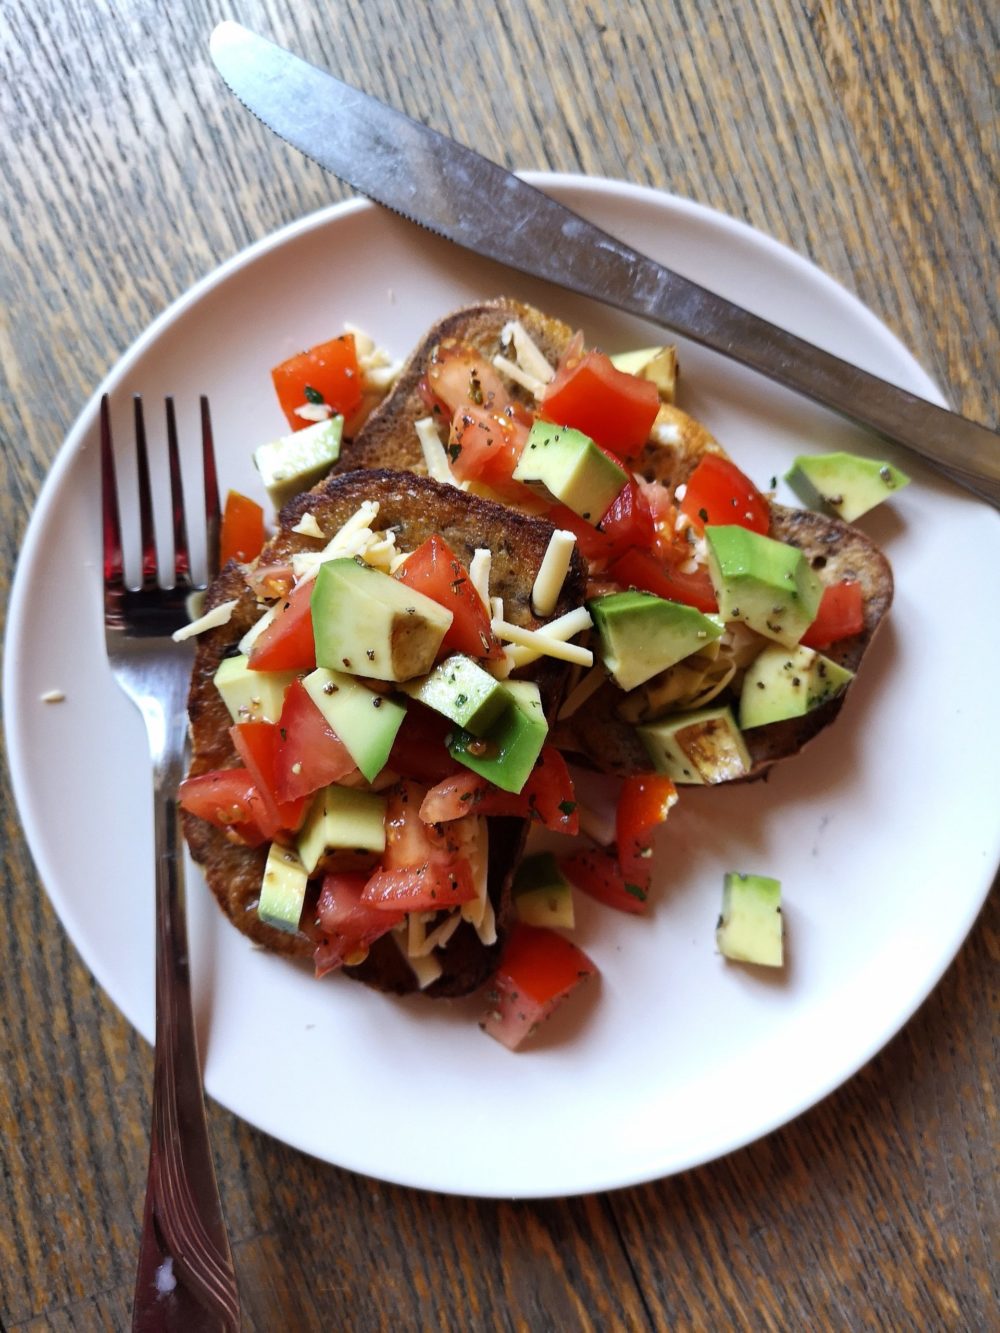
(350, 539)
(513, 371)
(535, 643)
(314, 411)
(308, 526)
(582, 691)
(477, 910)
(420, 944)
(597, 825)
(219, 615)
(480, 568)
(434, 452)
(552, 572)
(526, 351)
(257, 629)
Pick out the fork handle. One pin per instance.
(182, 1217)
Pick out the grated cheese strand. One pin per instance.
(433, 450)
(219, 615)
(543, 644)
(552, 572)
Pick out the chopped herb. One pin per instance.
(636, 891)
(703, 514)
(567, 807)
(453, 451)
(313, 395)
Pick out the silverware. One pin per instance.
(472, 201)
(185, 1278)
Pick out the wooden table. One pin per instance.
(863, 135)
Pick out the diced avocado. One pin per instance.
(342, 818)
(843, 484)
(787, 682)
(282, 890)
(366, 722)
(508, 752)
(566, 465)
(765, 583)
(705, 746)
(542, 893)
(656, 364)
(460, 689)
(251, 696)
(369, 624)
(290, 465)
(642, 635)
(750, 927)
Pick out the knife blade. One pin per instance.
(439, 184)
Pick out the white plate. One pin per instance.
(884, 834)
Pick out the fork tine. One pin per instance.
(147, 532)
(182, 557)
(114, 573)
(212, 508)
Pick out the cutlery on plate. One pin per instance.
(436, 182)
(185, 1279)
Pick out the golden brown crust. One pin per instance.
(416, 507)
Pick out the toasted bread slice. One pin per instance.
(416, 508)
(597, 735)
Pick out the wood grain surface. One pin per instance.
(864, 135)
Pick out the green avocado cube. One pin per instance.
(543, 895)
(292, 464)
(750, 925)
(251, 696)
(342, 819)
(369, 624)
(641, 635)
(788, 682)
(282, 890)
(697, 748)
(765, 583)
(366, 722)
(461, 690)
(843, 484)
(563, 464)
(510, 749)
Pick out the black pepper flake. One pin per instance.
(703, 514)
(370, 654)
(377, 701)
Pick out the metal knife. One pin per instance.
(431, 180)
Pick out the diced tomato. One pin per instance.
(538, 970)
(639, 569)
(484, 446)
(270, 581)
(256, 744)
(547, 797)
(423, 888)
(419, 750)
(308, 754)
(593, 544)
(628, 524)
(645, 801)
(346, 925)
(436, 571)
(457, 376)
(596, 871)
(228, 799)
(841, 613)
(287, 643)
(614, 409)
(327, 373)
(718, 492)
(241, 533)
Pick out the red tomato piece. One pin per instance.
(596, 871)
(228, 799)
(346, 925)
(628, 524)
(327, 373)
(241, 533)
(644, 803)
(841, 613)
(423, 888)
(308, 754)
(270, 581)
(419, 750)
(614, 409)
(287, 644)
(436, 571)
(593, 544)
(547, 797)
(539, 969)
(458, 376)
(718, 492)
(484, 446)
(639, 569)
(256, 743)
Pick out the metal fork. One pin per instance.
(185, 1278)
